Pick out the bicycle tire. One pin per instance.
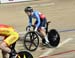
(31, 41)
(54, 37)
(24, 54)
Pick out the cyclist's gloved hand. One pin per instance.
(28, 28)
(35, 29)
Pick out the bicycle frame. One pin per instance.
(50, 33)
(20, 54)
(46, 29)
(31, 32)
(47, 26)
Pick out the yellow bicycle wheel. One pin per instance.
(24, 54)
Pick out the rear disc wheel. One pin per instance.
(53, 37)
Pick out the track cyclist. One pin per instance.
(39, 23)
(10, 37)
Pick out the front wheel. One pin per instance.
(54, 37)
(31, 41)
(24, 54)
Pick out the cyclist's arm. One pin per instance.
(30, 20)
(38, 19)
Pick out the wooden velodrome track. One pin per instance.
(61, 13)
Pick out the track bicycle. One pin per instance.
(31, 39)
(21, 54)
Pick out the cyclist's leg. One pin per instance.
(3, 46)
(42, 30)
(4, 54)
(5, 49)
(9, 41)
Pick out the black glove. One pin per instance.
(28, 28)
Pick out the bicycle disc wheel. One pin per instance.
(31, 41)
(53, 37)
(24, 54)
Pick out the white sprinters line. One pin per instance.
(51, 50)
(65, 41)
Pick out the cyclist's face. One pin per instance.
(29, 13)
